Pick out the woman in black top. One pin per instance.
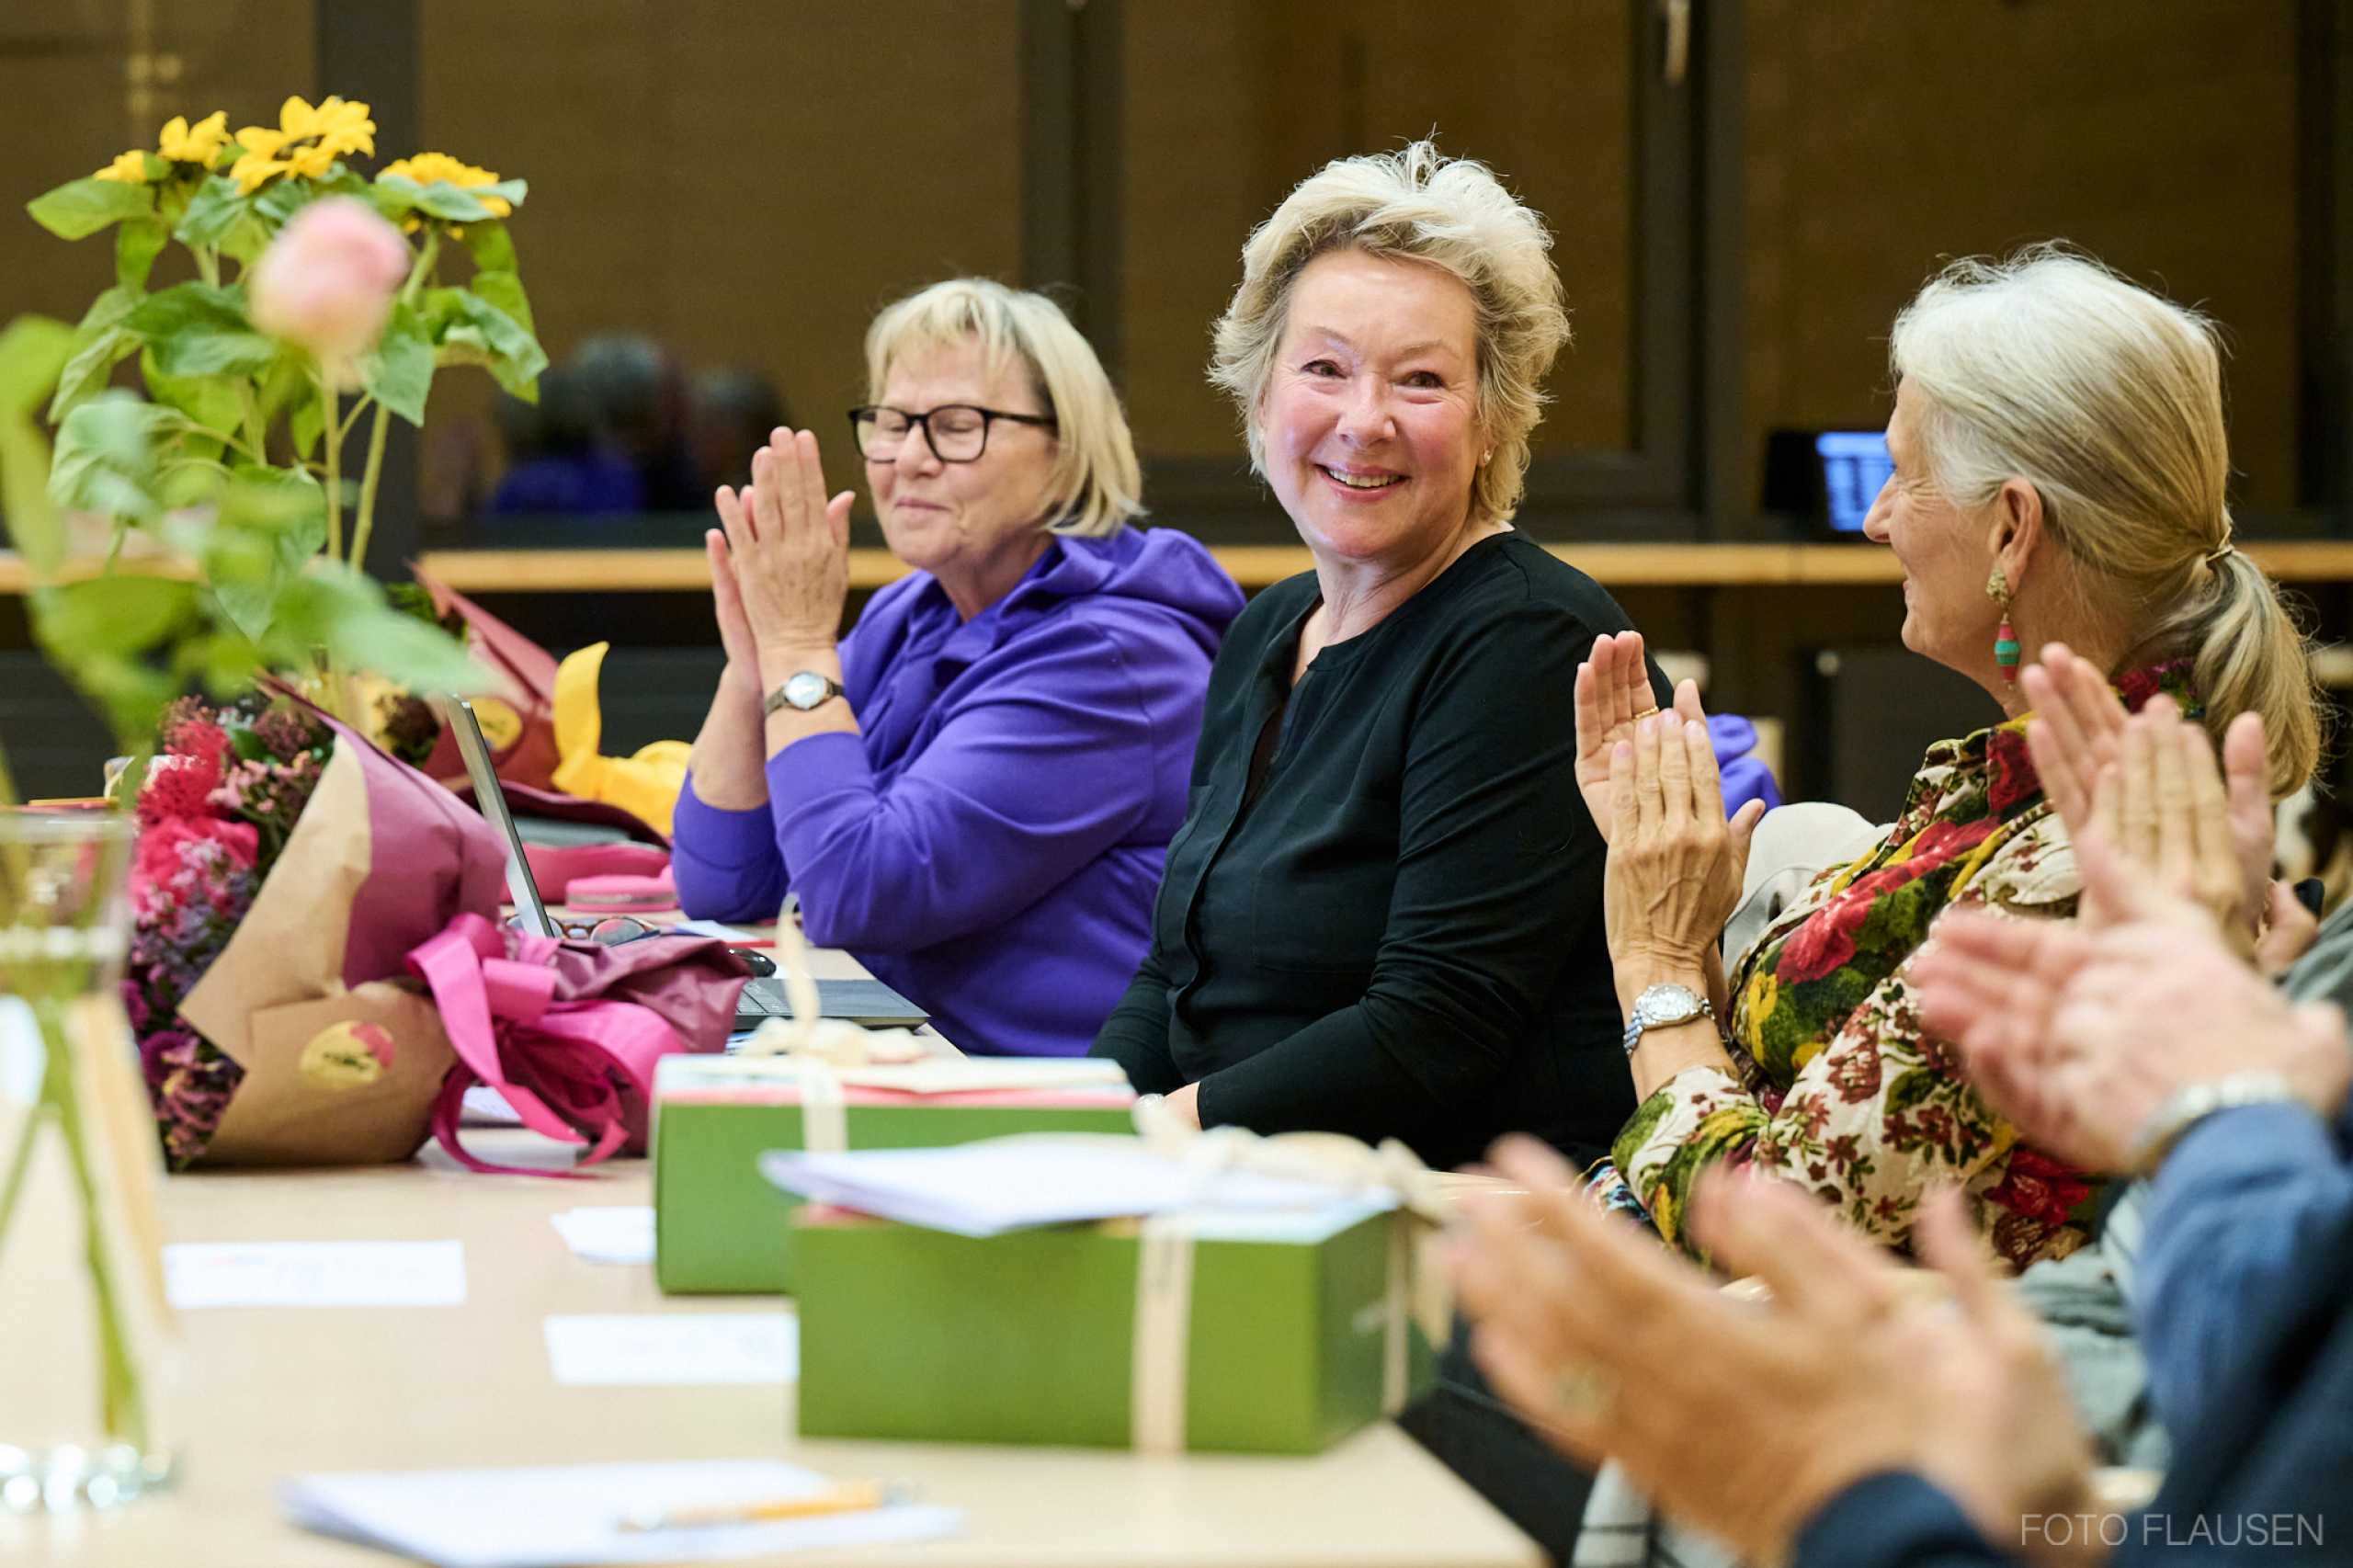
(1382, 914)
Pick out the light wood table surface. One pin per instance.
(276, 1391)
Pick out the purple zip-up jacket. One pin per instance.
(990, 842)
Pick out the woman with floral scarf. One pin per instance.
(2059, 467)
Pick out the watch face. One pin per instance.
(805, 690)
(1669, 1004)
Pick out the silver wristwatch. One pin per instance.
(1661, 1005)
(803, 689)
(2193, 1103)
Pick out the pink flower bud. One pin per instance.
(326, 282)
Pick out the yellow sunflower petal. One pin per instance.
(128, 168)
(313, 162)
(296, 118)
(260, 141)
(255, 170)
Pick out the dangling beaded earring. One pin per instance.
(2006, 638)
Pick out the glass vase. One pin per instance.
(91, 1345)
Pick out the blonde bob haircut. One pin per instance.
(1412, 205)
(2050, 367)
(1096, 485)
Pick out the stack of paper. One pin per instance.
(1006, 1183)
(550, 1516)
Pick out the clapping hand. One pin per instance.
(2148, 783)
(1674, 872)
(1613, 694)
(2076, 1035)
(789, 547)
(1742, 1418)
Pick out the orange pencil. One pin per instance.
(842, 1497)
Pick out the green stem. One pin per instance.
(256, 433)
(423, 268)
(192, 428)
(20, 1160)
(366, 521)
(207, 264)
(352, 418)
(334, 468)
(122, 1411)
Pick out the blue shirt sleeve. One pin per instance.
(725, 863)
(1893, 1519)
(1032, 777)
(2233, 1211)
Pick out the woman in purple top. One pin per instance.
(974, 789)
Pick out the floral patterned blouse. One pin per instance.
(1837, 1083)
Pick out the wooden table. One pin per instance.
(276, 1391)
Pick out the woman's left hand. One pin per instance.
(791, 546)
(1674, 865)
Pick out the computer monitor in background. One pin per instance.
(1855, 464)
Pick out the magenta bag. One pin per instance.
(569, 1033)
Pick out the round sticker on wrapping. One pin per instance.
(348, 1055)
(501, 725)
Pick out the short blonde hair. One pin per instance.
(1414, 204)
(2052, 369)
(1095, 483)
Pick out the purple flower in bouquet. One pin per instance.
(191, 1084)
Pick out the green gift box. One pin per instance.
(1270, 1331)
(719, 1227)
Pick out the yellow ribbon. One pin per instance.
(645, 784)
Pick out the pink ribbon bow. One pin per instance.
(580, 1071)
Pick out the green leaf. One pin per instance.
(35, 531)
(397, 195)
(490, 245)
(505, 290)
(200, 330)
(226, 662)
(119, 614)
(512, 191)
(105, 459)
(279, 200)
(102, 346)
(305, 425)
(213, 214)
(468, 322)
(136, 246)
(345, 610)
(271, 523)
(211, 401)
(398, 373)
(80, 208)
(33, 351)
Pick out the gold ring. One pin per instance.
(1583, 1390)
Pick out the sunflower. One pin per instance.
(306, 142)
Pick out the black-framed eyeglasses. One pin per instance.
(956, 432)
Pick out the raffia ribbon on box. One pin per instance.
(1418, 1285)
(819, 1047)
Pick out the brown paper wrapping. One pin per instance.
(279, 985)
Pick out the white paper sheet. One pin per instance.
(316, 1274)
(485, 1107)
(622, 1233)
(638, 1350)
(1004, 1184)
(545, 1517)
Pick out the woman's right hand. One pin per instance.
(1613, 694)
(727, 606)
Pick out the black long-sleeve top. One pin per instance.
(1382, 914)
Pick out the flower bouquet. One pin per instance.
(284, 870)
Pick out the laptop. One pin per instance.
(865, 1002)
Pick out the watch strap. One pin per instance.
(777, 700)
(1640, 1021)
(2193, 1103)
